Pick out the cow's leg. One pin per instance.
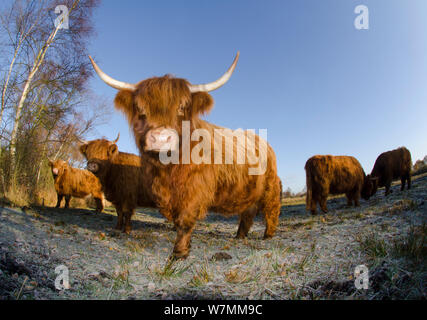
(323, 200)
(349, 199)
(271, 209)
(119, 210)
(67, 201)
(182, 242)
(99, 199)
(402, 183)
(184, 222)
(127, 221)
(387, 188)
(323, 197)
(58, 203)
(313, 205)
(246, 221)
(356, 198)
(408, 179)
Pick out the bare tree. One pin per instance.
(44, 99)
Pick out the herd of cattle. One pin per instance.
(184, 193)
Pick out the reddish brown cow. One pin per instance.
(161, 110)
(121, 177)
(72, 182)
(389, 166)
(333, 175)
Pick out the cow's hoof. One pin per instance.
(176, 256)
(267, 237)
(240, 236)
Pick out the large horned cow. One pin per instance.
(163, 113)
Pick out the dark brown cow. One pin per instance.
(156, 109)
(73, 182)
(121, 177)
(333, 175)
(391, 165)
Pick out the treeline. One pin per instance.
(45, 101)
(420, 167)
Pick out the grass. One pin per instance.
(398, 267)
(373, 246)
(317, 253)
(412, 246)
(171, 269)
(202, 275)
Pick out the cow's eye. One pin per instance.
(181, 110)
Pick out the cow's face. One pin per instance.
(58, 167)
(156, 107)
(370, 187)
(98, 167)
(100, 149)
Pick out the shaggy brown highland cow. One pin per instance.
(121, 178)
(161, 110)
(72, 182)
(333, 175)
(391, 165)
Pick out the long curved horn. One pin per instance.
(116, 84)
(218, 83)
(81, 140)
(117, 139)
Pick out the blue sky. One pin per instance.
(305, 73)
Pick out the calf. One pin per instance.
(72, 182)
(389, 166)
(333, 175)
(121, 177)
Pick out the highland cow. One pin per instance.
(71, 182)
(161, 112)
(391, 165)
(333, 175)
(121, 178)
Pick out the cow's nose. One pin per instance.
(160, 136)
(161, 139)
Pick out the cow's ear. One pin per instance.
(112, 150)
(124, 101)
(202, 103)
(50, 162)
(83, 149)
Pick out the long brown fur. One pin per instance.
(188, 191)
(333, 175)
(121, 177)
(391, 165)
(73, 182)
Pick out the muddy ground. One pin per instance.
(309, 257)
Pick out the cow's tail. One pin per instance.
(281, 190)
(309, 186)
